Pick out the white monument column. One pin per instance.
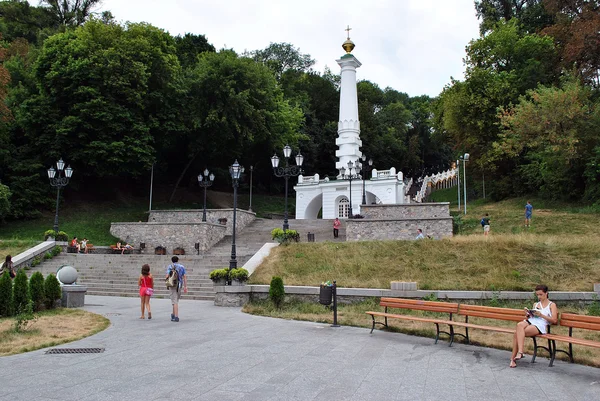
(348, 140)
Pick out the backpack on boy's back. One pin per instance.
(173, 277)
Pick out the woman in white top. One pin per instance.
(543, 314)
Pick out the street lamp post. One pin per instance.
(287, 172)
(465, 159)
(365, 172)
(59, 178)
(251, 171)
(458, 182)
(350, 176)
(235, 170)
(205, 182)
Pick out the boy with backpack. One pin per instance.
(485, 223)
(176, 279)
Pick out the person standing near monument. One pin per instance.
(528, 213)
(175, 292)
(336, 227)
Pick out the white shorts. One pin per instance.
(486, 229)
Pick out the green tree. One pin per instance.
(234, 110)
(21, 296)
(6, 295)
(36, 289)
(189, 47)
(281, 57)
(531, 13)
(106, 93)
(554, 132)
(4, 201)
(71, 12)
(18, 19)
(52, 291)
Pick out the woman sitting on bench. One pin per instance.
(543, 314)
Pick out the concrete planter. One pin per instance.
(219, 282)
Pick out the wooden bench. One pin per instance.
(574, 321)
(416, 304)
(90, 248)
(495, 313)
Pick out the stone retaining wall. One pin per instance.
(242, 217)
(170, 235)
(239, 295)
(400, 222)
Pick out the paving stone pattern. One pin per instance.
(223, 354)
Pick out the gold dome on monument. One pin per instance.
(348, 45)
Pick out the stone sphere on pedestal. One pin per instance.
(66, 275)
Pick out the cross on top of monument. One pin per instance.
(348, 29)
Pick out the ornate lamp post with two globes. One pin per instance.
(365, 172)
(205, 182)
(350, 176)
(59, 178)
(287, 172)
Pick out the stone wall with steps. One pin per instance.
(117, 275)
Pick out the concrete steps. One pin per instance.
(117, 275)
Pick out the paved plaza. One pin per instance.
(223, 354)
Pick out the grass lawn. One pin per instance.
(51, 328)
(354, 315)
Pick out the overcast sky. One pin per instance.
(413, 46)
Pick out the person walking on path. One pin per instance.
(528, 213)
(175, 292)
(336, 227)
(543, 314)
(485, 222)
(146, 284)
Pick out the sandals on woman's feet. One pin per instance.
(513, 364)
(142, 317)
(149, 315)
(520, 355)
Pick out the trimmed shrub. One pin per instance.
(61, 236)
(56, 250)
(52, 291)
(277, 291)
(285, 237)
(239, 274)
(21, 295)
(36, 290)
(219, 274)
(47, 256)
(36, 261)
(6, 295)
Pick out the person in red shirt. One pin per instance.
(336, 227)
(146, 284)
(75, 244)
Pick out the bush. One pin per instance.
(24, 318)
(57, 250)
(219, 274)
(36, 290)
(52, 291)
(277, 291)
(47, 256)
(36, 261)
(21, 295)
(239, 274)
(61, 236)
(285, 237)
(6, 295)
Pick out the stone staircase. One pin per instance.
(117, 275)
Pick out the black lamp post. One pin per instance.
(365, 172)
(205, 182)
(236, 171)
(59, 178)
(287, 172)
(351, 176)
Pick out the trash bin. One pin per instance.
(311, 237)
(325, 294)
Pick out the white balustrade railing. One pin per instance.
(449, 177)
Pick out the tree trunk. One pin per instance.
(187, 166)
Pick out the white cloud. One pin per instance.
(413, 46)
